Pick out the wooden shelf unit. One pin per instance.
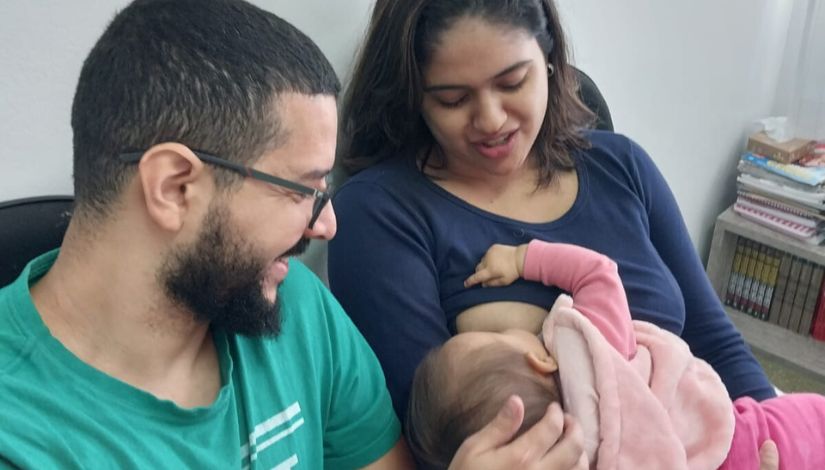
(801, 350)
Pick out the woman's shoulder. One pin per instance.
(615, 159)
(610, 143)
(390, 184)
(387, 174)
(610, 148)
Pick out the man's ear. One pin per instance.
(543, 365)
(168, 175)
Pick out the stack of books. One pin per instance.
(787, 197)
(777, 287)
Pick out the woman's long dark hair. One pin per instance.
(381, 114)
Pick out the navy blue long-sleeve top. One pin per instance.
(405, 245)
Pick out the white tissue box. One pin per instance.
(785, 152)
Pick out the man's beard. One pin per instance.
(220, 280)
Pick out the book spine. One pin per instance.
(773, 260)
(740, 280)
(758, 286)
(751, 253)
(802, 289)
(735, 272)
(818, 327)
(781, 286)
(790, 292)
(811, 296)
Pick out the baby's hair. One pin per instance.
(446, 407)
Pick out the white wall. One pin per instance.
(682, 77)
(685, 79)
(42, 47)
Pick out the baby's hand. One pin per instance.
(501, 265)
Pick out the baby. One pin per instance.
(642, 399)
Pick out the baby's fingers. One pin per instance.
(495, 281)
(480, 276)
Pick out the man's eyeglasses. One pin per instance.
(321, 197)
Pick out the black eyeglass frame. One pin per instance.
(321, 197)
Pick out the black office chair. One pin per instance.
(30, 227)
(591, 96)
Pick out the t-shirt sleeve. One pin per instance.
(360, 425)
(708, 330)
(382, 271)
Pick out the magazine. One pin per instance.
(811, 176)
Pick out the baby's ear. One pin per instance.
(543, 365)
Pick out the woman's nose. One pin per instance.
(489, 116)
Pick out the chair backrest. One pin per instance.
(30, 227)
(593, 99)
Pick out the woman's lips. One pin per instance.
(496, 148)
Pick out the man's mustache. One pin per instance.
(299, 248)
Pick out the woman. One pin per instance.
(462, 129)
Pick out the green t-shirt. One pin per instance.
(312, 398)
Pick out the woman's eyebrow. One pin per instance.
(513, 67)
(435, 88)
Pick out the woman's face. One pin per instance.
(485, 96)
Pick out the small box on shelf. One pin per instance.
(785, 152)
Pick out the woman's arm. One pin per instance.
(708, 330)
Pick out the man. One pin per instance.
(166, 332)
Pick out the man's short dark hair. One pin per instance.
(204, 73)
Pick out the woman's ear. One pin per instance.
(543, 365)
(168, 173)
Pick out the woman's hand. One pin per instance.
(501, 265)
(554, 443)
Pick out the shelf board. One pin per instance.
(732, 222)
(803, 351)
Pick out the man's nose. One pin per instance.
(325, 226)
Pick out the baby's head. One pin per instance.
(461, 386)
